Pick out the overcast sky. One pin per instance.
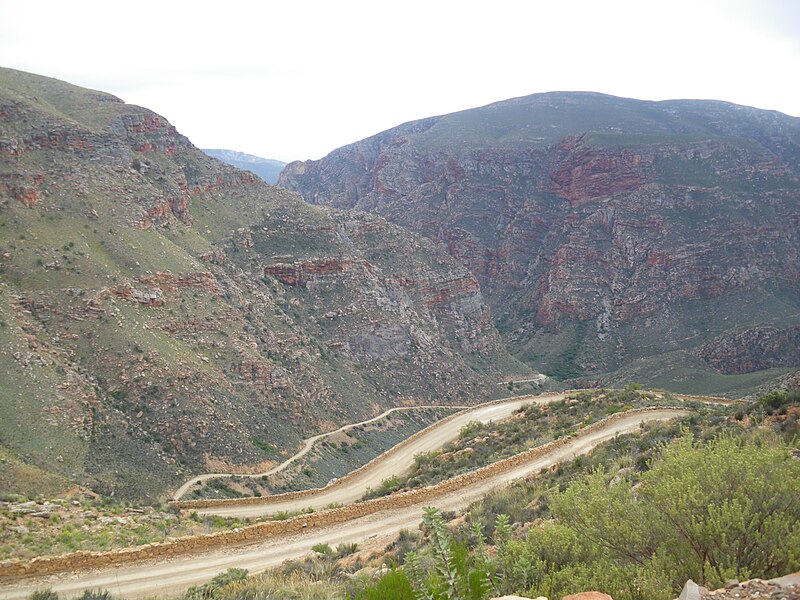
(296, 79)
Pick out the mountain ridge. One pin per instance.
(586, 217)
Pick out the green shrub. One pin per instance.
(343, 550)
(470, 430)
(212, 589)
(322, 548)
(96, 595)
(709, 511)
(778, 400)
(449, 571)
(394, 585)
(387, 486)
(47, 594)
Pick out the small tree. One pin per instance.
(709, 512)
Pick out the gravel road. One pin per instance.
(396, 461)
(164, 577)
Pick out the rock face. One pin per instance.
(752, 350)
(692, 591)
(602, 230)
(157, 303)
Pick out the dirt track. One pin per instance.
(393, 462)
(308, 444)
(352, 487)
(172, 576)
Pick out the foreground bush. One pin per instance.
(719, 509)
(723, 509)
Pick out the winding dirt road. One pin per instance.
(396, 461)
(308, 444)
(175, 575)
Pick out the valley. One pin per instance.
(266, 168)
(540, 317)
(158, 303)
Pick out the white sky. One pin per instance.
(296, 79)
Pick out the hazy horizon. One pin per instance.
(296, 82)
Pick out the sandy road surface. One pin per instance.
(308, 444)
(146, 579)
(399, 459)
(352, 487)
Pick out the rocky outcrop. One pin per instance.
(22, 187)
(753, 350)
(594, 223)
(583, 174)
(781, 588)
(308, 271)
(148, 132)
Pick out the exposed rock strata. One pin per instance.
(602, 230)
(753, 350)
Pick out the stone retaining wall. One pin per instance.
(79, 561)
(709, 399)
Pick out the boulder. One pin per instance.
(691, 591)
(787, 580)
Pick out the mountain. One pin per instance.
(266, 168)
(164, 314)
(614, 239)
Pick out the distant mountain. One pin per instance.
(164, 314)
(615, 239)
(266, 168)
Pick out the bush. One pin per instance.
(778, 400)
(212, 589)
(47, 594)
(450, 571)
(96, 595)
(710, 512)
(387, 486)
(470, 430)
(394, 585)
(343, 550)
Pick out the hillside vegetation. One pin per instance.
(710, 497)
(164, 314)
